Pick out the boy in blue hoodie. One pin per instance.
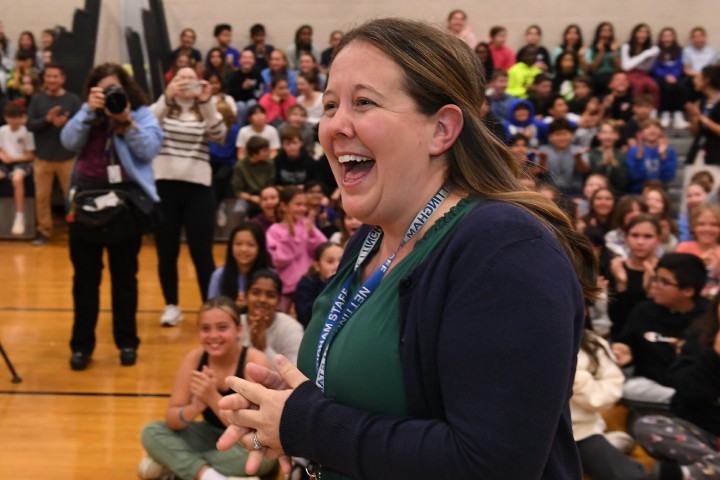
(521, 119)
(651, 158)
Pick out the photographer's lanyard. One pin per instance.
(341, 310)
(113, 169)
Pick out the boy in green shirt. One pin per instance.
(254, 172)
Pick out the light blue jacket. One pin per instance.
(135, 149)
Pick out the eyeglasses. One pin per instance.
(664, 281)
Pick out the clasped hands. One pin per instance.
(256, 409)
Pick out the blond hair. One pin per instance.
(225, 304)
(705, 207)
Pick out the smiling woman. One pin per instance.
(423, 349)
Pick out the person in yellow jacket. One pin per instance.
(522, 74)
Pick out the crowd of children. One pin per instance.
(590, 125)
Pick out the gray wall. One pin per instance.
(281, 18)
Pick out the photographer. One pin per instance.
(116, 137)
(189, 121)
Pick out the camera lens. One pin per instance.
(115, 99)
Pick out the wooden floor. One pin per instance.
(62, 424)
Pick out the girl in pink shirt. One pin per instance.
(503, 57)
(292, 242)
(277, 103)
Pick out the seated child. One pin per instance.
(257, 127)
(588, 124)
(347, 225)
(642, 108)
(523, 73)
(558, 110)
(618, 103)
(521, 119)
(179, 444)
(246, 254)
(582, 93)
(592, 183)
(630, 274)
(327, 259)
(277, 102)
(317, 203)
(245, 85)
(696, 193)
(297, 117)
(540, 94)
(656, 328)
(566, 70)
(292, 242)
(17, 147)
(564, 162)
(705, 227)
(269, 201)
(608, 160)
(253, 173)
(500, 100)
(293, 165)
(24, 61)
(597, 387)
(531, 162)
(651, 158)
(263, 327)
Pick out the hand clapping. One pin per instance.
(256, 409)
(203, 386)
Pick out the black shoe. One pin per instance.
(79, 361)
(40, 240)
(128, 356)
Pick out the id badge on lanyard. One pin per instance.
(113, 170)
(346, 304)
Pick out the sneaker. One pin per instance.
(149, 469)
(221, 218)
(18, 227)
(679, 122)
(665, 120)
(620, 440)
(40, 240)
(171, 316)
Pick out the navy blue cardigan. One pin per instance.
(491, 324)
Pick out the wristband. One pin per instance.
(183, 419)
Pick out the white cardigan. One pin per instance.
(594, 391)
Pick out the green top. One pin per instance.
(363, 368)
(249, 177)
(607, 64)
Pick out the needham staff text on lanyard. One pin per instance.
(341, 310)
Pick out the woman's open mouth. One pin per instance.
(355, 167)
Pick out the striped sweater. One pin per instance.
(185, 155)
